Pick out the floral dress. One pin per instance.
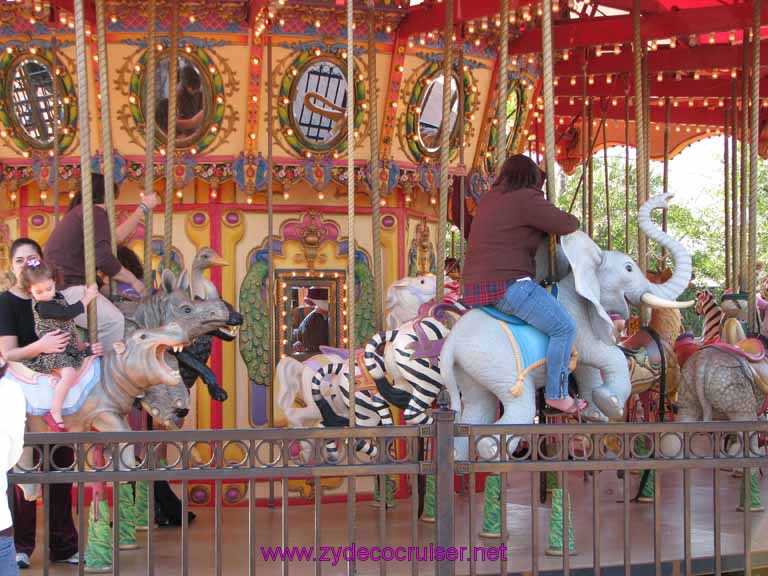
(54, 315)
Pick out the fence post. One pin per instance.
(443, 472)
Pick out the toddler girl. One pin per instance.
(52, 313)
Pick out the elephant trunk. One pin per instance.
(681, 276)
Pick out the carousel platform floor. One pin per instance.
(333, 533)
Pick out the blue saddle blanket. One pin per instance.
(531, 343)
(38, 388)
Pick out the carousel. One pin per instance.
(301, 351)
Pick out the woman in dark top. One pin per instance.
(18, 342)
(510, 222)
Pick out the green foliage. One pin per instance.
(701, 231)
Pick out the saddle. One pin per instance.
(38, 388)
(530, 345)
(363, 379)
(733, 341)
(645, 360)
(424, 347)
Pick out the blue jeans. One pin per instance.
(8, 566)
(535, 306)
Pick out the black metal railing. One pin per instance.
(521, 456)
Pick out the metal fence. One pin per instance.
(520, 455)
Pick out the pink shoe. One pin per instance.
(573, 408)
(53, 424)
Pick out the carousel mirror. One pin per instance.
(31, 101)
(431, 116)
(319, 104)
(311, 317)
(513, 115)
(194, 99)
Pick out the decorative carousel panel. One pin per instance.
(200, 99)
(26, 92)
(424, 117)
(312, 103)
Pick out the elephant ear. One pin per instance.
(585, 258)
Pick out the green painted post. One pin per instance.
(555, 547)
(492, 507)
(755, 501)
(127, 511)
(98, 554)
(142, 505)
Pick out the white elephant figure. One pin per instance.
(480, 358)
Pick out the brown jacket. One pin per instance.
(65, 253)
(506, 232)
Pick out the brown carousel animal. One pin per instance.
(130, 369)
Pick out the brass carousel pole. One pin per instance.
(549, 129)
(56, 112)
(754, 119)
(604, 105)
(106, 124)
(641, 180)
(727, 201)
(744, 271)
(665, 185)
(589, 181)
(373, 119)
(586, 143)
(149, 120)
(170, 154)
(463, 177)
(735, 236)
(626, 171)
(445, 145)
(85, 162)
(501, 110)
(350, 292)
(270, 249)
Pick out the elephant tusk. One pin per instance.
(657, 302)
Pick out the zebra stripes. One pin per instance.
(370, 409)
(713, 316)
(421, 374)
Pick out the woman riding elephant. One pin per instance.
(501, 265)
(489, 356)
(19, 342)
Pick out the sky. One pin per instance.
(693, 174)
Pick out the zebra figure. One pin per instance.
(416, 375)
(707, 307)
(370, 408)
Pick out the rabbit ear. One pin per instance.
(168, 281)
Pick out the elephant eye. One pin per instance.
(628, 267)
(143, 337)
(422, 282)
(187, 310)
